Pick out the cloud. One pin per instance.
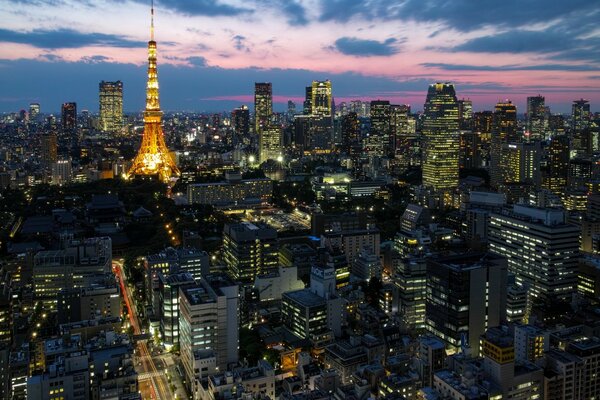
(365, 48)
(462, 15)
(541, 67)
(518, 41)
(197, 61)
(65, 38)
(294, 11)
(95, 59)
(210, 8)
(239, 42)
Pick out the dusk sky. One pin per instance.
(212, 52)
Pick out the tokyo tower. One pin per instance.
(153, 157)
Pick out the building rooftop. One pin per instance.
(306, 298)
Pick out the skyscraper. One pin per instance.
(241, 121)
(270, 143)
(321, 100)
(536, 117)
(34, 110)
(351, 133)
(465, 113)
(263, 106)
(580, 115)
(380, 141)
(68, 113)
(153, 157)
(111, 106)
(48, 149)
(557, 165)
(441, 138)
(504, 130)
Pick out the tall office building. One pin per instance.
(580, 115)
(581, 140)
(48, 149)
(68, 113)
(536, 117)
(557, 165)
(34, 110)
(351, 133)
(466, 294)
(241, 120)
(249, 250)
(263, 106)
(521, 163)
(291, 110)
(504, 130)
(321, 104)
(541, 248)
(111, 106)
(380, 140)
(465, 113)
(441, 137)
(270, 143)
(411, 281)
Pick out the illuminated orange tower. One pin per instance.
(153, 157)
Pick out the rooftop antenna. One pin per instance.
(152, 21)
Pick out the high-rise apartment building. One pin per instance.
(441, 138)
(321, 99)
(521, 163)
(541, 248)
(466, 294)
(381, 139)
(504, 130)
(536, 117)
(249, 250)
(111, 106)
(263, 106)
(68, 114)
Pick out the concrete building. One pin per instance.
(466, 294)
(366, 266)
(234, 191)
(271, 286)
(169, 287)
(250, 250)
(208, 321)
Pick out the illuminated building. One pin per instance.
(169, 287)
(48, 149)
(441, 138)
(111, 106)
(411, 280)
(403, 134)
(233, 192)
(465, 113)
(68, 112)
(541, 249)
(241, 120)
(366, 266)
(263, 106)
(466, 294)
(521, 163)
(580, 123)
(351, 134)
(291, 110)
(34, 110)
(153, 157)
(470, 149)
(208, 320)
(270, 143)
(504, 130)
(536, 117)
(557, 164)
(321, 99)
(62, 172)
(380, 141)
(250, 250)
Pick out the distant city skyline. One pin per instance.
(211, 53)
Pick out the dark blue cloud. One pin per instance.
(365, 48)
(543, 67)
(211, 8)
(519, 41)
(65, 38)
(463, 15)
(295, 12)
(197, 61)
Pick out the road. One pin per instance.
(152, 382)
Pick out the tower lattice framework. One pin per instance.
(153, 157)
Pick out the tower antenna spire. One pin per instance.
(152, 20)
